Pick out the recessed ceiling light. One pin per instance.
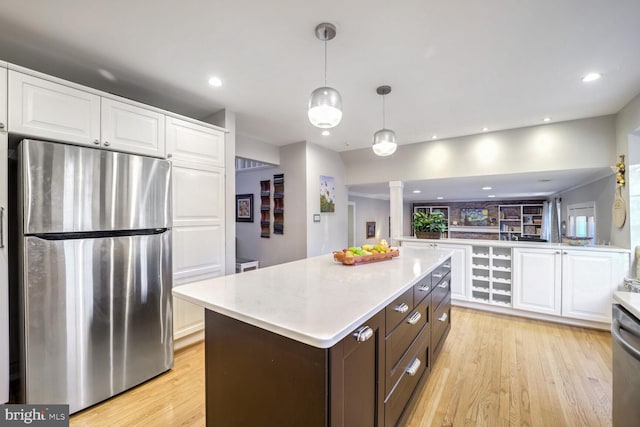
(434, 137)
(546, 119)
(215, 81)
(591, 77)
(485, 129)
(416, 191)
(326, 133)
(544, 180)
(107, 74)
(491, 196)
(439, 197)
(487, 188)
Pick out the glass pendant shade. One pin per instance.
(325, 107)
(384, 142)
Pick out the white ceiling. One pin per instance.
(538, 185)
(455, 66)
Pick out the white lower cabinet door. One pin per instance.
(198, 253)
(460, 270)
(589, 279)
(537, 276)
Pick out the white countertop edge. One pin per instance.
(629, 300)
(510, 243)
(319, 341)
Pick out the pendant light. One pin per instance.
(384, 141)
(325, 104)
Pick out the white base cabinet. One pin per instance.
(460, 271)
(537, 275)
(588, 282)
(4, 250)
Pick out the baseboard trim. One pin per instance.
(188, 336)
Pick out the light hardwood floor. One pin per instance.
(494, 370)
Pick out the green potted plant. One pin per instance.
(429, 225)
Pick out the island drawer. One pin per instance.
(398, 344)
(441, 324)
(398, 310)
(413, 366)
(422, 288)
(442, 270)
(440, 291)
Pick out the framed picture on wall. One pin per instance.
(244, 207)
(371, 229)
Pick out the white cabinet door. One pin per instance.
(589, 279)
(4, 288)
(51, 111)
(198, 195)
(132, 129)
(194, 143)
(537, 280)
(460, 270)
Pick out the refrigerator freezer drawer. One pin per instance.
(97, 316)
(67, 189)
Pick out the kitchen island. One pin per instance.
(314, 342)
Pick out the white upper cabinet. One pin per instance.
(194, 143)
(588, 282)
(537, 280)
(132, 129)
(47, 110)
(3, 100)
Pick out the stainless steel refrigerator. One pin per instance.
(95, 272)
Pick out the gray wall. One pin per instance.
(577, 144)
(368, 209)
(330, 233)
(602, 193)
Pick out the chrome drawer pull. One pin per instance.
(424, 288)
(362, 334)
(443, 317)
(402, 308)
(443, 285)
(414, 318)
(437, 275)
(413, 369)
(446, 265)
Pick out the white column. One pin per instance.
(395, 210)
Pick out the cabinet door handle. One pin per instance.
(107, 143)
(443, 284)
(414, 318)
(565, 252)
(424, 288)
(402, 308)
(446, 265)
(1, 228)
(437, 275)
(558, 252)
(96, 141)
(363, 333)
(443, 317)
(169, 156)
(1, 125)
(413, 368)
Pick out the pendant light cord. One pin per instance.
(383, 126)
(325, 58)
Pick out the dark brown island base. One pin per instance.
(255, 377)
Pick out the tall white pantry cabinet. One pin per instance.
(49, 108)
(4, 265)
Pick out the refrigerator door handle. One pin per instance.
(1, 227)
(616, 327)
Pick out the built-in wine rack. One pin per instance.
(278, 204)
(265, 209)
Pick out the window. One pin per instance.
(582, 220)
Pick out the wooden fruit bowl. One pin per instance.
(364, 259)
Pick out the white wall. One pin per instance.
(330, 233)
(577, 144)
(628, 122)
(368, 209)
(251, 148)
(602, 193)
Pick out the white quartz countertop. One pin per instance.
(629, 300)
(514, 244)
(316, 301)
